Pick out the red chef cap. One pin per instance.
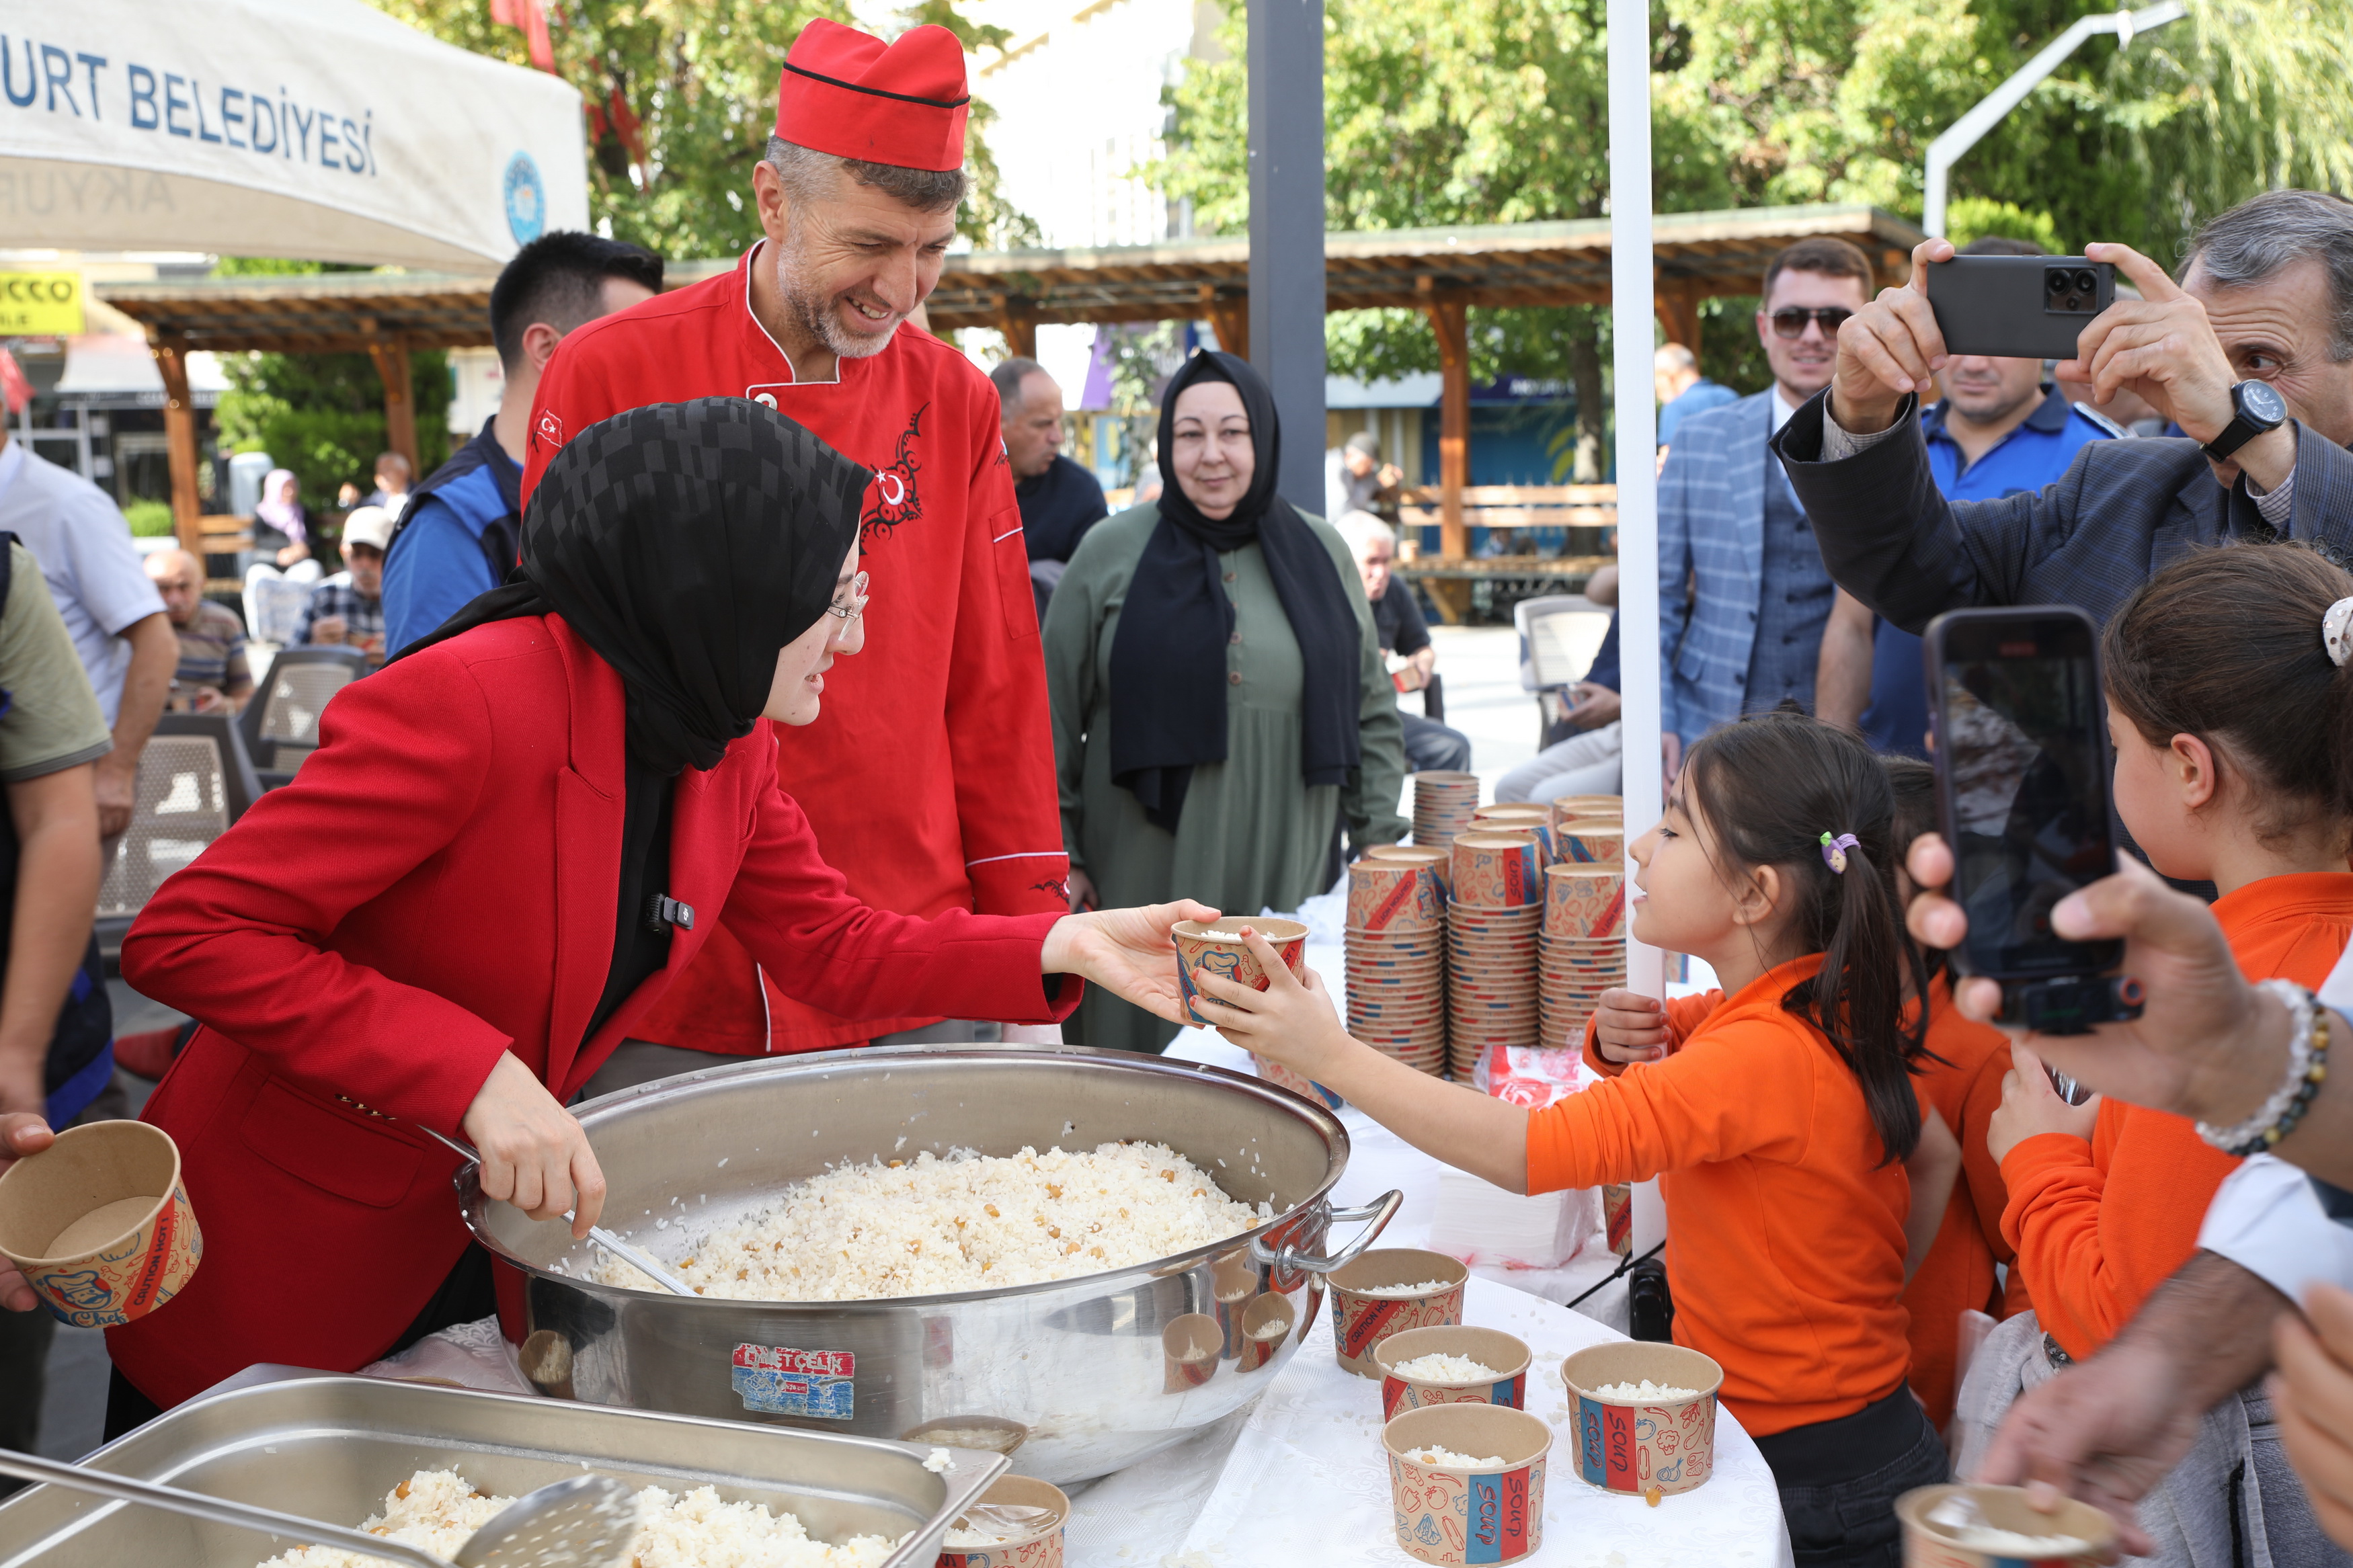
(849, 94)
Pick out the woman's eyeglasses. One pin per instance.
(1789, 321)
(858, 596)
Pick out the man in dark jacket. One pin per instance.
(461, 530)
(2251, 354)
(1060, 500)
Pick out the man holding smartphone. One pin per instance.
(2251, 354)
(1998, 431)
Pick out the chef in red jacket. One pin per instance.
(932, 786)
(511, 842)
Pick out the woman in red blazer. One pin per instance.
(508, 841)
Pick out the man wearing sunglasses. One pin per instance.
(1742, 593)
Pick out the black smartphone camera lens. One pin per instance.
(2056, 280)
(2087, 283)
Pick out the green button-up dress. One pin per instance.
(1254, 835)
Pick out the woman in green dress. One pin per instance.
(1218, 693)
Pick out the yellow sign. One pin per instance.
(40, 305)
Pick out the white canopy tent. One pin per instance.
(321, 129)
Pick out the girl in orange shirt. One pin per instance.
(1778, 1130)
(2232, 723)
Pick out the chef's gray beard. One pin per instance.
(815, 312)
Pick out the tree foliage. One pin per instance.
(680, 98)
(1442, 112)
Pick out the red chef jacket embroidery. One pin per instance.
(930, 775)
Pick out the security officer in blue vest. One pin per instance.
(2000, 428)
(460, 531)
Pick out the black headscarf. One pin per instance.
(686, 544)
(1168, 680)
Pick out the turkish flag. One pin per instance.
(15, 390)
(530, 15)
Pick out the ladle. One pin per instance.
(596, 1233)
(581, 1521)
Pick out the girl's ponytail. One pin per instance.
(1782, 790)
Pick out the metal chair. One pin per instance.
(1560, 636)
(281, 722)
(194, 780)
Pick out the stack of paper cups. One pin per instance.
(1492, 945)
(1396, 957)
(1582, 950)
(1442, 804)
(1526, 817)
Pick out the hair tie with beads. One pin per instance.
(1834, 849)
(2336, 630)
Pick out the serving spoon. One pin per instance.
(582, 1521)
(596, 1233)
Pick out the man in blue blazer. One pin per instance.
(1742, 593)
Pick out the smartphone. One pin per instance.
(2017, 307)
(2022, 771)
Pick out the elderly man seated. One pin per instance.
(1429, 746)
(348, 607)
(212, 677)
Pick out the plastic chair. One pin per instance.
(274, 603)
(281, 722)
(194, 780)
(1559, 635)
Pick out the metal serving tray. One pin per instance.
(330, 1447)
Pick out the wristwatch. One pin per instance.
(2257, 410)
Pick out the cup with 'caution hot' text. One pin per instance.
(99, 1225)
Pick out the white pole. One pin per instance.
(1637, 482)
(1970, 128)
(1638, 485)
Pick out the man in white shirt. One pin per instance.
(112, 611)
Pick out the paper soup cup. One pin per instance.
(1217, 946)
(1450, 1515)
(1363, 1315)
(1584, 902)
(1497, 870)
(1594, 844)
(1499, 1352)
(1039, 1545)
(98, 1224)
(1633, 1448)
(1927, 1545)
(1393, 897)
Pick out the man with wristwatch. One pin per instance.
(2250, 354)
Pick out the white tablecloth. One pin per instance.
(1299, 1478)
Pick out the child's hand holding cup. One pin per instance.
(1628, 1026)
(1292, 1021)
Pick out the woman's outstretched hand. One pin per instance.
(535, 1154)
(1126, 952)
(2206, 1044)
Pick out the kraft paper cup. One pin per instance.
(1499, 1352)
(1632, 1448)
(1927, 1545)
(1498, 870)
(1361, 1321)
(1040, 1546)
(1535, 819)
(98, 1224)
(1393, 897)
(1593, 844)
(1449, 1516)
(1217, 946)
(1437, 858)
(1584, 902)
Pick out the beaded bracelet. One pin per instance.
(2307, 1067)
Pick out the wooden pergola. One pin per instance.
(1441, 272)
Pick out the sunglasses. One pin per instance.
(1789, 321)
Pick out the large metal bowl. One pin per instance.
(1089, 1374)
